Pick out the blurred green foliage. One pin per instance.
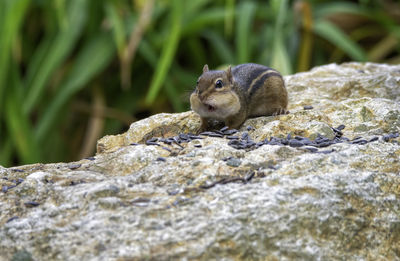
(72, 71)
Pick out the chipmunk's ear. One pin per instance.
(205, 68)
(229, 74)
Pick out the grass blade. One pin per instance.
(333, 34)
(221, 47)
(193, 7)
(200, 21)
(244, 24)
(333, 8)
(93, 58)
(117, 25)
(57, 53)
(6, 153)
(280, 57)
(167, 54)
(18, 124)
(13, 12)
(230, 9)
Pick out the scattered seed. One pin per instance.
(224, 129)
(173, 191)
(234, 142)
(285, 141)
(295, 143)
(177, 143)
(198, 146)
(359, 141)
(306, 141)
(216, 135)
(229, 180)
(230, 132)
(195, 137)
(31, 204)
(389, 136)
(308, 107)
(250, 144)
(250, 128)
(166, 141)
(374, 139)
(223, 181)
(226, 158)
(326, 151)
(311, 149)
(232, 137)
(219, 132)
(323, 144)
(18, 170)
(90, 158)
(249, 176)
(154, 139)
(206, 133)
(133, 144)
(184, 136)
(273, 142)
(4, 189)
(340, 127)
(338, 133)
(12, 218)
(148, 142)
(161, 159)
(74, 166)
(141, 202)
(321, 139)
(167, 149)
(233, 162)
(76, 182)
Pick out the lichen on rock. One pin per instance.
(159, 192)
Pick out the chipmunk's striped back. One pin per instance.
(253, 76)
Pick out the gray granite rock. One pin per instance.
(206, 200)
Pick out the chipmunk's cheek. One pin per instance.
(203, 109)
(229, 104)
(195, 103)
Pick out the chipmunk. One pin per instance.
(244, 91)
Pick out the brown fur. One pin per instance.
(248, 90)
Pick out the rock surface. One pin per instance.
(206, 200)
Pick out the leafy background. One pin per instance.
(72, 71)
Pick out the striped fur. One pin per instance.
(248, 90)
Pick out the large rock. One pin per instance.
(206, 200)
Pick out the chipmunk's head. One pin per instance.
(214, 96)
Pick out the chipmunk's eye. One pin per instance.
(218, 84)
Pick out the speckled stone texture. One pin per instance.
(205, 200)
